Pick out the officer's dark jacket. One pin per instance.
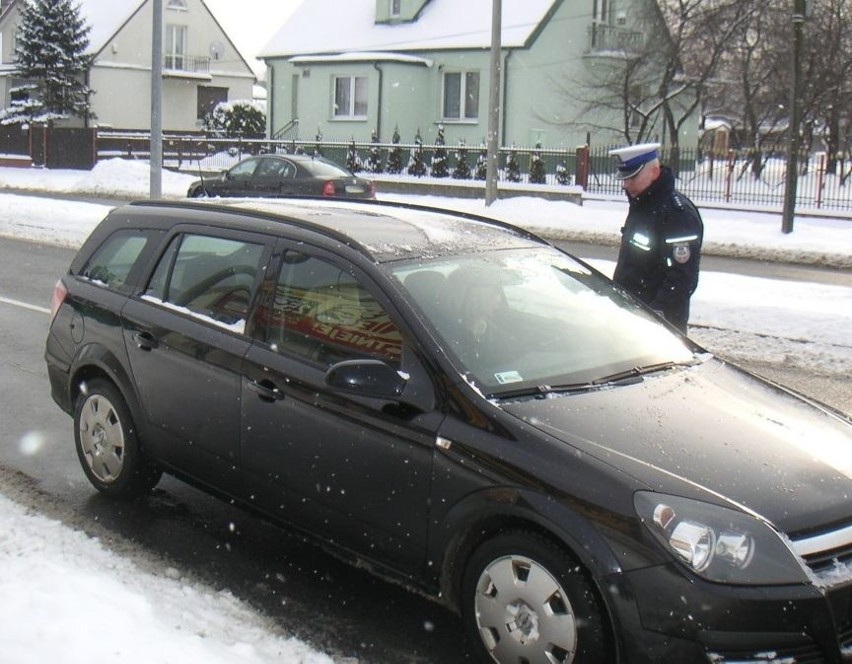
(660, 249)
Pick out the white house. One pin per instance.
(201, 66)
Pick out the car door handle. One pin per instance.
(266, 390)
(145, 340)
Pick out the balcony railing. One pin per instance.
(186, 63)
(609, 38)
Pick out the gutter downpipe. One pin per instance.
(379, 104)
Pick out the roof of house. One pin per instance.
(442, 25)
(106, 18)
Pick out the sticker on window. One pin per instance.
(505, 377)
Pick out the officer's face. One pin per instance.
(642, 180)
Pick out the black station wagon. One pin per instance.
(469, 411)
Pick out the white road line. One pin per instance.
(24, 305)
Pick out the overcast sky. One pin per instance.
(251, 23)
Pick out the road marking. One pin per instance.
(24, 305)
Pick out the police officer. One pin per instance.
(661, 238)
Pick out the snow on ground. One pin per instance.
(67, 599)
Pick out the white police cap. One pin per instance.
(632, 159)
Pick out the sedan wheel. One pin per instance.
(525, 600)
(107, 445)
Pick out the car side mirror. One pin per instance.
(366, 378)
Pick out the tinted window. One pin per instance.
(325, 169)
(113, 260)
(208, 276)
(322, 313)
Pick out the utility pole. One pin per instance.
(800, 9)
(157, 102)
(492, 145)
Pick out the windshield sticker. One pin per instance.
(505, 377)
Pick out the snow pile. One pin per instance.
(67, 599)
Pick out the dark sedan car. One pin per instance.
(284, 175)
(461, 407)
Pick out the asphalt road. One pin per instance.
(337, 608)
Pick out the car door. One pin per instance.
(267, 180)
(352, 470)
(185, 340)
(240, 180)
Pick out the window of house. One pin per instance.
(395, 8)
(600, 11)
(350, 97)
(461, 95)
(208, 97)
(175, 57)
(177, 4)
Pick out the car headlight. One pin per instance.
(717, 543)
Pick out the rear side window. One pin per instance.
(209, 277)
(110, 265)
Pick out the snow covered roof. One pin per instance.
(443, 24)
(106, 17)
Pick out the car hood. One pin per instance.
(713, 427)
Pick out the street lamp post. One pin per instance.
(156, 161)
(800, 8)
(492, 146)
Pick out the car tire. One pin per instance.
(107, 445)
(524, 599)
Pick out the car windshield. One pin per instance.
(533, 321)
(325, 169)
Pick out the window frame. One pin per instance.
(352, 101)
(174, 46)
(463, 99)
(395, 8)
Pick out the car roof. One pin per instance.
(382, 231)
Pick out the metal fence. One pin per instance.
(728, 178)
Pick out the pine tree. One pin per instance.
(353, 161)
(563, 175)
(395, 154)
(416, 163)
(374, 159)
(439, 159)
(538, 175)
(513, 169)
(50, 53)
(462, 169)
(481, 171)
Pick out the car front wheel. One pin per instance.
(107, 445)
(525, 599)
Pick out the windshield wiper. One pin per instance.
(638, 372)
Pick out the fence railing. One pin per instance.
(735, 178)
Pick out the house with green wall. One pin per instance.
(345, 69)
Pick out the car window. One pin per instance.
(324, 169)
(322, 313)
(244, 168)
(268, 168)
(111, 263)
(210, 277)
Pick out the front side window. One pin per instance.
(209, 277)
(110, 265)
(175, 57)
(350, 97)
(323, 314)
(461, 95)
